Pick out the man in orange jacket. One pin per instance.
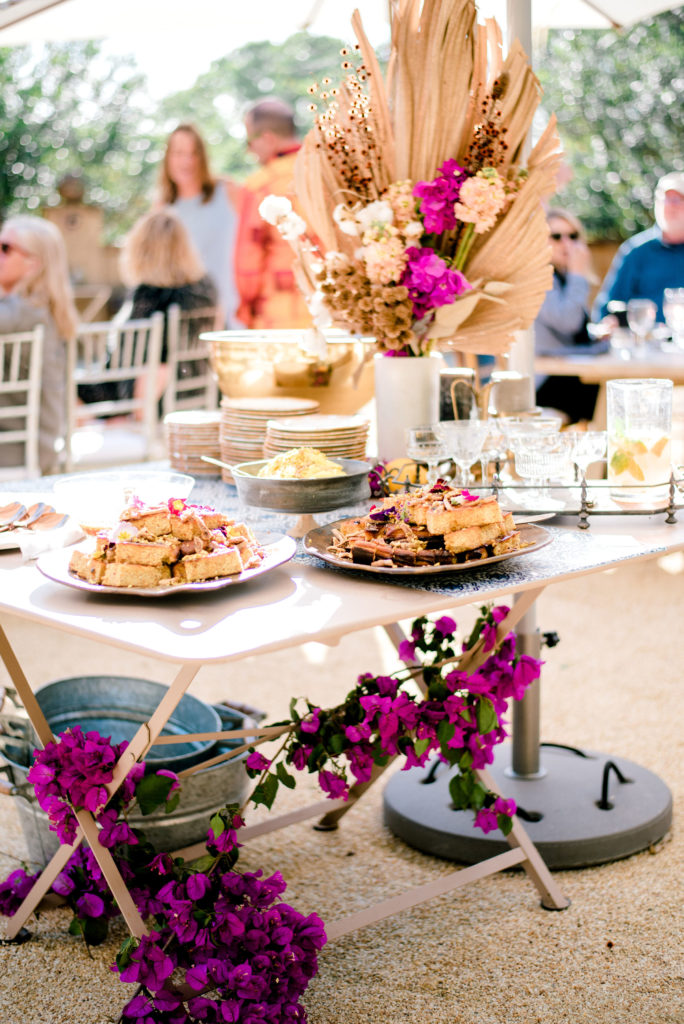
(269, 296)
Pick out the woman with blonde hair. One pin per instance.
(35, 289)
(206, 205)
(162, 266)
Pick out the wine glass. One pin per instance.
(494, 449)
(424, 444)
(641, 314)
(673, 311)
(464, 440)
(587, 446)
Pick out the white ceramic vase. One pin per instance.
(406, 395)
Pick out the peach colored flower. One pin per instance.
(481, 199)
(385, 259)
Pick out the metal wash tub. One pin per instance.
(115, 706)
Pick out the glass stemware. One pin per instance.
(673, 311)
(540, 458)
(587, 446)
(494, 449)
(464, 440)
(424, 444)
(641, 314)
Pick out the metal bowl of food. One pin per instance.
(320, 494)
(336, 372)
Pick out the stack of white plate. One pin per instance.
(343, 437)
(189, 435)
(243, 424)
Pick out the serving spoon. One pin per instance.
(10, 513)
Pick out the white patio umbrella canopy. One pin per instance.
(24, 21)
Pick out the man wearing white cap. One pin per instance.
(653, 260)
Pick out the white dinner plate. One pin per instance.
(55, 566)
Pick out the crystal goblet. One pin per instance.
(463, 440)
(424, 444)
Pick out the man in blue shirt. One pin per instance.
(653, 260)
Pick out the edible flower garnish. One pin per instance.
(176, 506)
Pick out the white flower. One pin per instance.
(378, 212)
(291, 227)
(272, 208)
(320, 314)
(344, 218)
(414, 229)
(314, 343)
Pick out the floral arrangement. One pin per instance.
(222, 945)
(422, 225)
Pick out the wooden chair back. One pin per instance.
(21, 364)
(191, 383)
(116, 367)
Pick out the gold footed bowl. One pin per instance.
(267, 364)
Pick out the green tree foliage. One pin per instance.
(67, 108)
(618, 97)
(217, 100)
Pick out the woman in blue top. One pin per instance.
(561, 323)
(206, 205)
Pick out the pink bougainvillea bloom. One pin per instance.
(333, 785)
(256, 762)
(486, 819)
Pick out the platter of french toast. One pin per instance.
(434, 529)
(155, 550)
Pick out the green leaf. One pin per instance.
(336, 743)
(294, 714)
(172, 802)
(505, 823)
(460, 788)
(486, 716)
(465, 760)
(76, 926)
(128, 946)
(445, 731)
(217, 824)
(152, 791)
(202, 864)
(265, 792)
(478, 796)
(95, 930)
(420, 746)
(285, 777)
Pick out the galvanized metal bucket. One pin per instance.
(115, 705)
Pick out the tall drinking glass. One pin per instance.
(639, 439)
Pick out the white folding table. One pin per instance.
(299, 602)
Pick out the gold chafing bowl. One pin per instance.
(280, 363)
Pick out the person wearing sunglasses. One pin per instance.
(35, 289)
(561, 323)
(651, 261)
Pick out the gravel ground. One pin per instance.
(486, 954)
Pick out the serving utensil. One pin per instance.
(10, 513)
